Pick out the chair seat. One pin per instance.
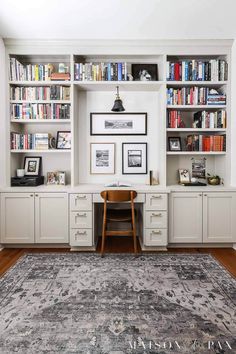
(124, 215)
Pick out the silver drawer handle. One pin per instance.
(156, 214)
(81, 232)
(156, 232)
(81, 197)
(81, 214)
(156, 196)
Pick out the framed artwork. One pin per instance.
(174, 144)
(102, 158)
(144, 72)
(56, 178)
(118, 123)
(134, 158)
(184, 176)
(63, 140)
(33, 165)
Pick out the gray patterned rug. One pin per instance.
(80, 303)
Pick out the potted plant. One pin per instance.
(213, 180)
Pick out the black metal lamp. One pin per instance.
(118, 104)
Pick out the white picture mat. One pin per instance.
(131, 147)
(119, 120)
(110, 148)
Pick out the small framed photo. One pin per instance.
(56, 178)
(102, 158)
(51, 178)
(134, 158)
(33, 165)
(174, 144)
(184, 176)
(63, 140)
(144, 72)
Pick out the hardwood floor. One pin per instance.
(225, 256)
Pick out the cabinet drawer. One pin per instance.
(81, 237)
(156, 219)
(81, 219)
(81, 202)
(156, 237)
(156, 201)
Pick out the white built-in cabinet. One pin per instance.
(34, 218)
(202, 217)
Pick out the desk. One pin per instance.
(152, 221)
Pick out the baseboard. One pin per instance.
(200, 245)
(82, 248)
(39, 245)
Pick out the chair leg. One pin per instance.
(103, 239)
(134, 236)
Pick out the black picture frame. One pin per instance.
(174, 140)
(144, 72)
(59, 147)
(94, 115)
(140, 160)
(36, 170)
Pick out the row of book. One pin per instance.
(201, 119)
(40, 111)
(194, 96)
(37, 141)
(40, 93)
(197, 70)
(215, 143)
(100, 71)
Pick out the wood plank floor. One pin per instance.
(225, 256)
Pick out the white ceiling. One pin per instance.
(118, 19)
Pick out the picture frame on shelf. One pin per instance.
(56, 178)
(134, 158)
(102, 158)
(144, 72)
(63, 140)
(33, 165)
(174, 143)
(118, 123)
(184, 176)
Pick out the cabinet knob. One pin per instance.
(205, 195)
(81, 197)
(156, 232)
(36, 195)
(31, 195)
(156, 214)
(156, 196)
(199, 194)
(81, 214)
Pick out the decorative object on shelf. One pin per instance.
(174, 143)
(144, 72)
(184, 176)
(213, 180)
(118, 104)
(27, 181)
(52, 143)
(198, 168)
(33, 165)
(134, 158)
(118, 124)
(56, 178)
(63, 140)
(102, 158)
(62, 68)
(153, 177)
(20, 172)
(130, 77)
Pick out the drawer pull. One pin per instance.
(156, 232)
(82, 214)
(156, 214)
(156, 196)
(81, 197)
(81, 233)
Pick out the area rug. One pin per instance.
(80, 303)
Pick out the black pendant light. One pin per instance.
(118, 105)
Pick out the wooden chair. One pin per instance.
(118, 215)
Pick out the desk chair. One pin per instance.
(118, 215)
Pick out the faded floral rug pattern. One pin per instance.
(80, 303)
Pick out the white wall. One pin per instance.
(233, 115)
(2, 112)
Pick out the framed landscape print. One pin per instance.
(118, 123)
(102, 158)
(134, 158)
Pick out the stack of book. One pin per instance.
(197, 70)
(40, 93)
(40, 111)
(101, 71)
(194, 96)
(38, 141)
(205, 119)
(60, 76)
(174, 119)
(29, 72)
(215, 143)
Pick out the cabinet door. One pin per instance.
(219, 217)
(186, 217)
(17, 217)
(51, 218)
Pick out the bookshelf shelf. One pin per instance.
(196, 153)
(197, 83)
(41, 121)
(39, 83)
(41, 101)
(195, 107)
(195, 130)
(49, 151)
(123, 85)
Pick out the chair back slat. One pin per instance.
(118, 196)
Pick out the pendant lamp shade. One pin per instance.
(118, 104)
